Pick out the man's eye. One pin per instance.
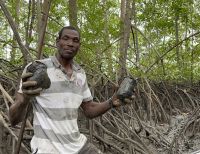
(76, 40)
(65, 38)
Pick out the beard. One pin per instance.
(67, 55)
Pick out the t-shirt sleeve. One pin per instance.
(20, 87)
(20, 84)
(87, 96)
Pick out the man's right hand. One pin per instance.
(28, 86)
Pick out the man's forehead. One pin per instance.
(70, 33)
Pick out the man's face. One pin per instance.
(68, 44)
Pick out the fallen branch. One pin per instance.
(6, 94)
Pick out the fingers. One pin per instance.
(29, 88)
(127, 100)
(114, 97)
(119, 102)
(116, 103)
(26, 75)
(133, 96)
(28, 84)
(33, 92)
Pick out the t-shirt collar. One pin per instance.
(57, 64)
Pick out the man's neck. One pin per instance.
(65, 62)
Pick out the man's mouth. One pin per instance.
(68, 50)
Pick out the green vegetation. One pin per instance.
(162, 27)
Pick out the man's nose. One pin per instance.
(69, 42)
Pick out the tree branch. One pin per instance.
(25, 52)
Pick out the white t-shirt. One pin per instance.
(56, 111)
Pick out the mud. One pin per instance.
(39, 71)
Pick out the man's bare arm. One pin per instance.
(17, 110)
(94, 109)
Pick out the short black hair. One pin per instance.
(67, 27)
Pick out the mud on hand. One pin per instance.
(35, 79)
(126, 91)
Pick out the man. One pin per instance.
(56, 109)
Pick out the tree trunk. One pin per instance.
(30, 21)
(2, 142)
(39, 16)
(192, 55)
(14, 43)
(25, 52)
(27, 23)
(125, 33)
(108, 52)
(136, 46)
(73, 13)
(177, 40)
(43, 24)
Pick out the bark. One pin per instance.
(177, 40)
(24, 50)
(14, 43)
(107, 40)
(122, 61)
(39, 17)
(137, 60)
(43, 24)
(125, 33)
(30, 21)
(192, 62)
(192, 67)
(73, 13)
(27, 23)
(2, 137)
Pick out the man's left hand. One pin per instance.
(117, 102)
